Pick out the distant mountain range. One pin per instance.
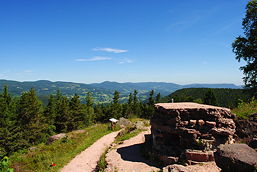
(102, 92)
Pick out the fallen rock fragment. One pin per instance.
(236, 157)
(53, 138)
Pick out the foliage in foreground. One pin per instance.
(4, 165)
(53, 157)
(245, 109)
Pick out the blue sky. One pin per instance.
(91, 41)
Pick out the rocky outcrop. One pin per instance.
(246, 129)
(179, 129)
(53, 138)
(123, 122)
(203, 167)
(236, 157)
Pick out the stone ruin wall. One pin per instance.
(191, 132)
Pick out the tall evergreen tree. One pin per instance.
(130, 99)
(116, 110)
(116, 97)
(50, 111)
(136, 105)
(90, 112)
(77, 114)
(151, 98)
(209, 98)
(158, 98)
(31, 120)
(63, 115)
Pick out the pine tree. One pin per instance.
(63, 117)
(136, 106)
(77, 114)
(151, 98)
(149, 107)
(130, 99)
(31, 120)
(89, 110)
(116, 109)
(209, 98)
(116, 97)
(158, 98)
(50, 111)
(99, 113)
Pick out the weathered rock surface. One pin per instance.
(246, 129)
(203, 167)
(78, 131)
(123, 122)
(176, 127)
(236, 157)
(53, 138)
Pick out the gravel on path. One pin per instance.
(127, 157)
(87, 160)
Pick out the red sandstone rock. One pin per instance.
(191, 126)
(201, 122)
(210, 123)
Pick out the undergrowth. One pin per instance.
(245, 109)
(102, 164)
(53, 157)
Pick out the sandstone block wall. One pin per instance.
(177, 127)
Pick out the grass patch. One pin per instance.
(245, 109)
(127, 135)
(59, 153)
(102, 164)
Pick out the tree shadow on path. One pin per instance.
(133, 153)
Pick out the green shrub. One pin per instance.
(245, 109)
(4, 165)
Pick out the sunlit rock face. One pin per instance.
(191, 130)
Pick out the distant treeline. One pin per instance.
(216, 96)
(24, 121)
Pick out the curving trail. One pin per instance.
(87, 160)
(127, 156)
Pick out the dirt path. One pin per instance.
(127, 157)
(86, 161)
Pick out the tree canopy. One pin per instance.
(245, 47)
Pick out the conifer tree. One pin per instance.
(63, 117)
(50, 111)
(76, 111)
(116, 109)
(158, 98)
(31, 120)
(209, 98)
(151, 98)
(136, 106)
(90, 112)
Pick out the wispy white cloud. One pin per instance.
(111, 50)
(184, 24)
(126, 60)
(24, 72)
(96, 58)
(27, 71)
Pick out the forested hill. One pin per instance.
(102, 92)
(222, 96)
